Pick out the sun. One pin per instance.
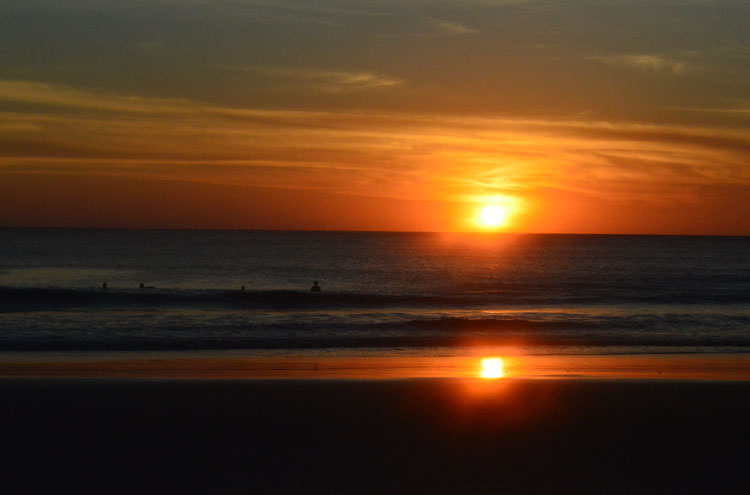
(492, 216)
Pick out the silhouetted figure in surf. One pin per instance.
(315, 287)
(242, 288)
(104, 285)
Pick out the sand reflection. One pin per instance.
(492, 368)
(222, 366)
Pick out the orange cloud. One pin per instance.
(564, 175)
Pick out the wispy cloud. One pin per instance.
(739, 110)
(451, 27)
(645, 62)
(328, 81)
(66, 96)
(399, 155)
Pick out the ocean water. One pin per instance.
(383, 293)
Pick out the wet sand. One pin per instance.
(458, 435)
(222, 365)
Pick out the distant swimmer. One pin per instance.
(315, 287)
(242, 288)
(104, 285)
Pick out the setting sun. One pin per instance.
(492, 368)
(492, 216)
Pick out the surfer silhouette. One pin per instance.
(315, 287)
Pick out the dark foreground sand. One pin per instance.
(390, 436)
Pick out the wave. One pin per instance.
(61, 298)
(40, 299)
(485, 325)
(186, 331)
(201, 344)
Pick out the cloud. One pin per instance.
(328, 81)
(451, 28)
(738, 110)
(645, 62)
(65, 96)
(397, 155)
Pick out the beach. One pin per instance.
(625, 366)
(461, 435)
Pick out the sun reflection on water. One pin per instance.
(492, 368)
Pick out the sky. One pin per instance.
(574, 116)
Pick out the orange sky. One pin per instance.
(376, 116)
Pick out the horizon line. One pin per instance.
(473, 232)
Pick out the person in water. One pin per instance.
(315, 287)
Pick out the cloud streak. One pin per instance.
(398, 155)
(451, 27)
(328, 81)
(32, 92)
(643, 62)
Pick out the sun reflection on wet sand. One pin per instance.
(492, 368)
(217, 366)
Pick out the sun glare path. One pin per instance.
(492, 216)
(492, 368)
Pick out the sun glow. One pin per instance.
(492, 216)
(492, 368)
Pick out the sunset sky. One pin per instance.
(597, 116)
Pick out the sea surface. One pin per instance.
(383, 294)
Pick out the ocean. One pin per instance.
(383, 294)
